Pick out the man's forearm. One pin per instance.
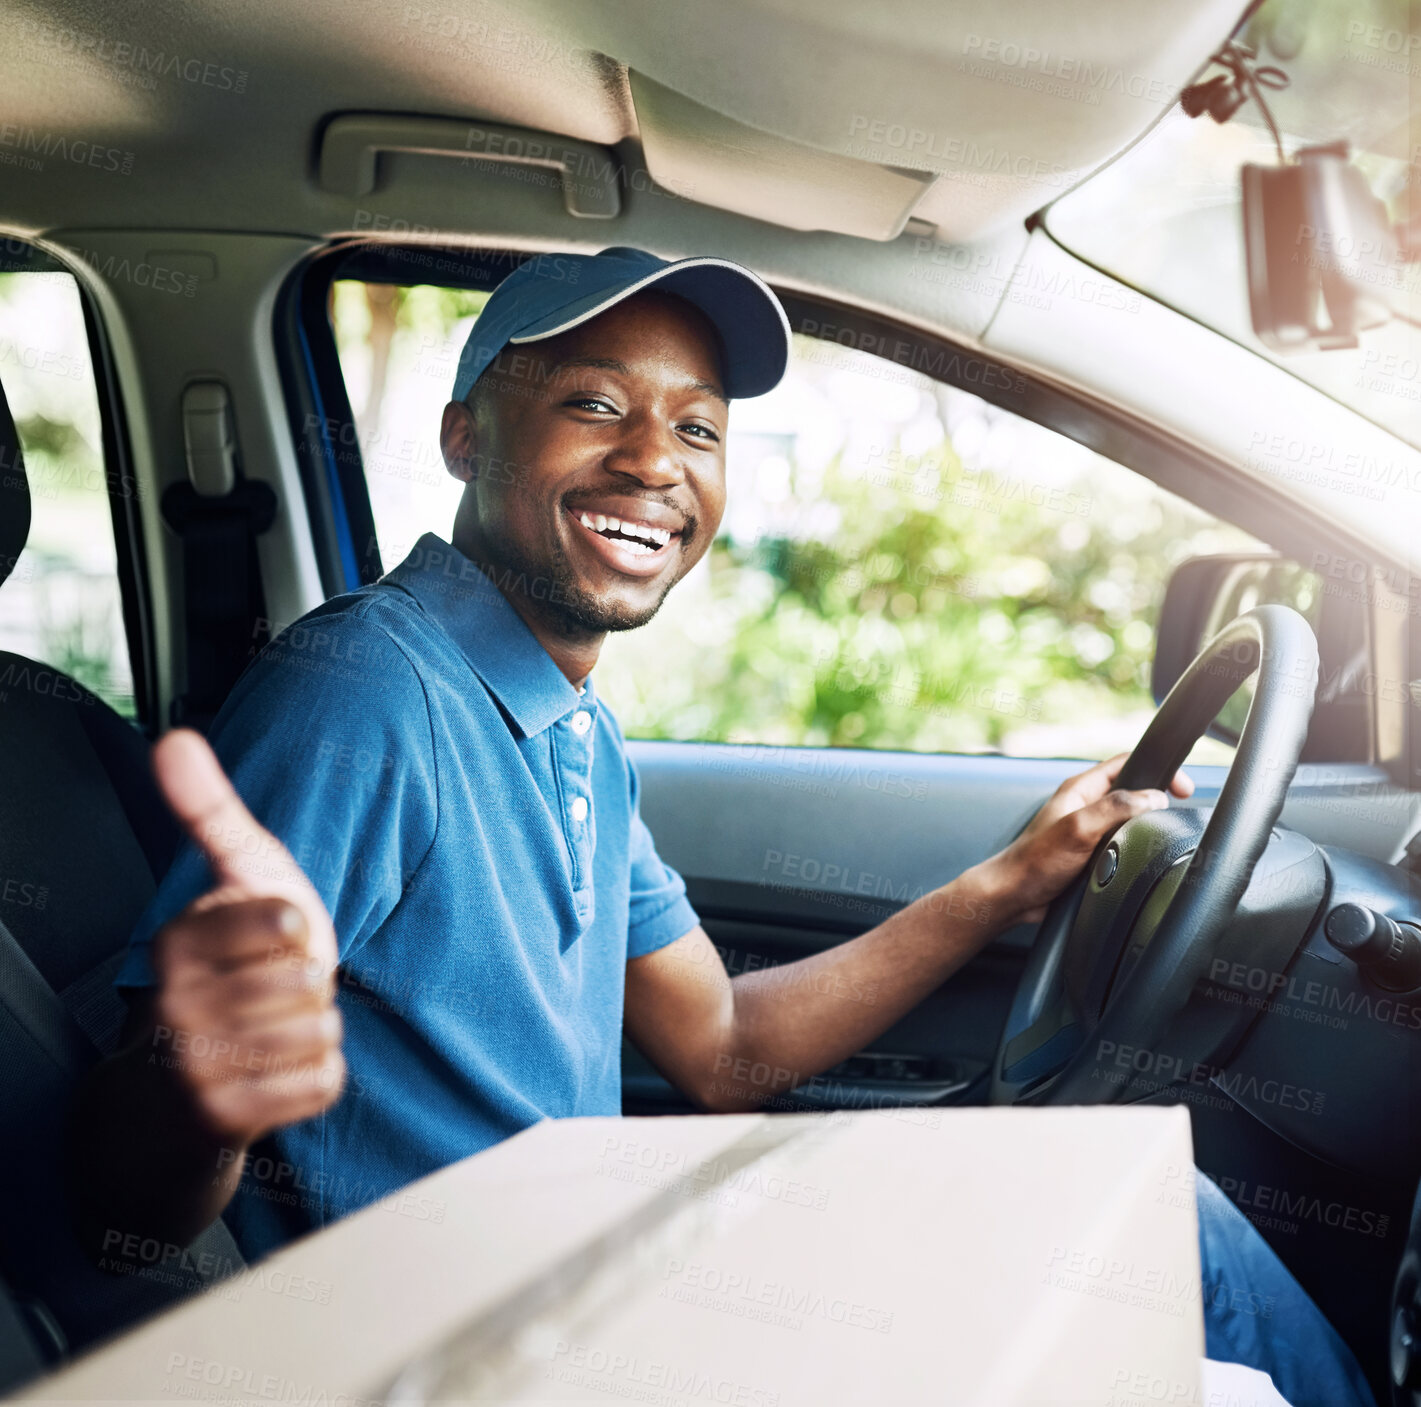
(140, 1163)
(793, 1021)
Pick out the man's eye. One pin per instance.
(702, 432)
(590, 403)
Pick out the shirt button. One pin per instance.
(579, 804)
(581, 722)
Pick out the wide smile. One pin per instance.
(632, 548)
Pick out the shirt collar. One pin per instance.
(499, 647)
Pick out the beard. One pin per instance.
(567, 604)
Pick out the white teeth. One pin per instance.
(646, 536)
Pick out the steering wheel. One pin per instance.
(1119, 951)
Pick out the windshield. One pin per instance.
(1167, 216)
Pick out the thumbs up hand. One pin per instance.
(245, 1002)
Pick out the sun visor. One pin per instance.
(701, 155)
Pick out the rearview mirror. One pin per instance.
(1203, 595)
(1324, 262)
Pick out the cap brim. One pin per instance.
(743, 309)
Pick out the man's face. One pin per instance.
(621, 421)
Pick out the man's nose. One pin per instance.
(649, 452)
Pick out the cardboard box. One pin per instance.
(975, 1256)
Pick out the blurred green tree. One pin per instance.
(941, 606)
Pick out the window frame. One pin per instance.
(1155, 453)
(19, 255)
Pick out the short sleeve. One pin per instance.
(327, 739)
(659, 911)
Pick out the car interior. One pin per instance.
(994, 225)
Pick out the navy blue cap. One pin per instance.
(555, 292)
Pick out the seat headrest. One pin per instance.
(14, 492)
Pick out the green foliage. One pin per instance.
(62, 602)
(949, 612)
(84, 649)
(893, 600)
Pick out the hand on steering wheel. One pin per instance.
(1121, 950)
(1060, 839)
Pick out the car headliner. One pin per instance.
(800, 136)
(927, 84)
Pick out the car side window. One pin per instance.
(901, 565)
(61, 604)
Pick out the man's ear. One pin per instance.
(458, 440)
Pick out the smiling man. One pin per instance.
(445, 812)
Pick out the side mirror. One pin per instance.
(1205, 593)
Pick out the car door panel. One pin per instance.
(787, 852)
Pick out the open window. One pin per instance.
(71, 599)
(911, 557)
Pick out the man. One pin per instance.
(432, 769)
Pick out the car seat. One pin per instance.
(84, 839)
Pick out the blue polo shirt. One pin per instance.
(471, 823)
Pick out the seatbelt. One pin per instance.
(35, 1023)
(43, 1055)
(218, 514)
(94, 1004)
(225, 608)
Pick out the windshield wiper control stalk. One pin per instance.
(1387, 951)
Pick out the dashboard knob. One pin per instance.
(1389, 952)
